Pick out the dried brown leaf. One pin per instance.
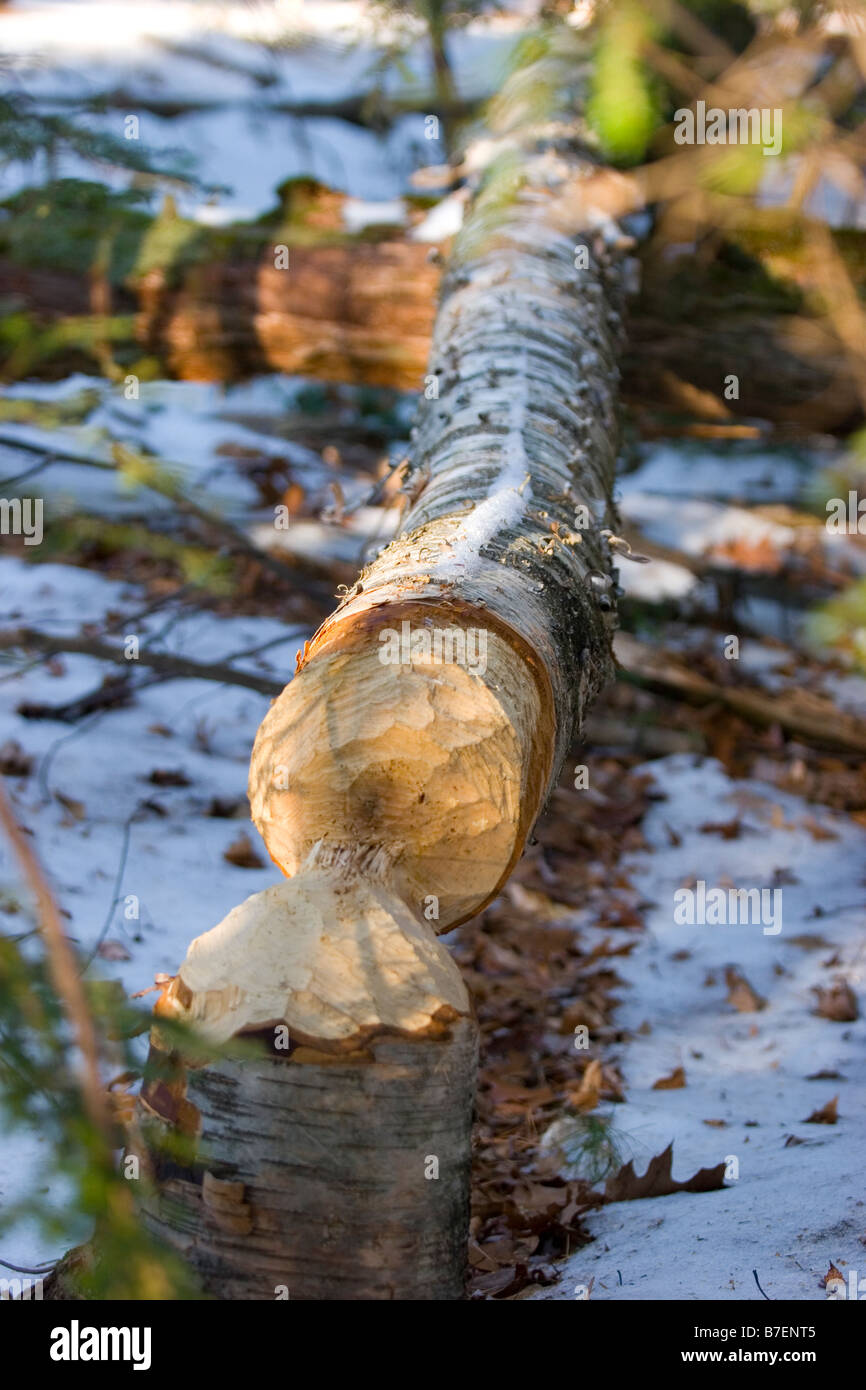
(741, 996)
(827, 1115)
(588, 1094)
(241, 853)
(75, 810)
(729, 829)
(14, 762)
(833, 1277)
(626, 1186)
(675, 1082)
(837, 1001)
(169, 777)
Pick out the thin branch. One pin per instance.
(118, 880)
(27, 473)
(51, 456)
(115, 897)
(29, 1269)
(813, 718)
(64, 971)
(165, 663)
(758, 1282)
(237, 538)
(45, 765)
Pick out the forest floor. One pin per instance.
(741, 1046)
(724, 1040)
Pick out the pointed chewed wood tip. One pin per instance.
(335, 957)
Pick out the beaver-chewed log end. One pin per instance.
(415, 744)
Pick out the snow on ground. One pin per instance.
(196, 727)
(700, 525)
(234, 71)
(363, 534)
(186, 425)
(235, 68)
(745, 473)
(724, 515)
(91, 800)
(305, 50)
(245, 154)
(94, 809)
(797, 1202)
(90, 778)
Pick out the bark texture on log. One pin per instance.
(398, 775)
(315, 1179)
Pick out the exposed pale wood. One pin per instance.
(423, 767)
(333, 953)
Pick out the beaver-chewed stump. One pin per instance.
(335, 1162)
(396, 779)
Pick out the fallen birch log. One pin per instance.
(396, 779)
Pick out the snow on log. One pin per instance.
(396, 779)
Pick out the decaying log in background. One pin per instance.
(359, 313)
(362, 309)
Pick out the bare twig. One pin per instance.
(50, 456)
(166, 663)
(115, 896)
(813, 718)
(64, 971)
(171, 490)
(758, 1282)
(29, 1269)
